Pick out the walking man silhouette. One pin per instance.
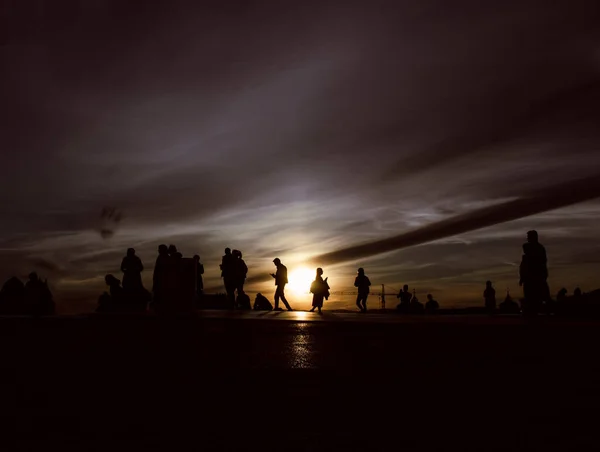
(362, 283)
(281, 280)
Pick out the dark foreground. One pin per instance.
(288, 383)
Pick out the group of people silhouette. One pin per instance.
(32, 298)
(234, 271)
(410, 304)
(176, 278)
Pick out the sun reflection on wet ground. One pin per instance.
(300, 351)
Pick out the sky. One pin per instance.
(299, 131)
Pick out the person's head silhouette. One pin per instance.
(361, 271)
(196, 257)
(33, 277)
(488, 284)
(319, 271)
(237, 253)
(532, 236)
(277, 261)
(130, 252)
(405, 287)
(429, 296)
(162, 250)
(172, 250)
(227, 251)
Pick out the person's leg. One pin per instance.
(230, 289)
(358, 299)
(276, 298)
(239, 288)
(364, 302)
(285, 302)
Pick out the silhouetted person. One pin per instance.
(33, 293)
(561, 296)
(561, 301)
(160, 270)
(240, 270)
(405, 297)
(38, 298)
(362, 283)
(228, 274)
(509, 306)
(320, 290)
(199, 273)
(577, 295)
(132, 267)
(416, 307)
(261, 303)
(12, 296)
(114, 286)
(172, 250)
(281, 280)
(432, 305)
(533, 273)
(489, 295)
(111, 301)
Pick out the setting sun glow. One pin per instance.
(300, 280)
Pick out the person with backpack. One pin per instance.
(320, 290)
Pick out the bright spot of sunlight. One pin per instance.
(299, 280)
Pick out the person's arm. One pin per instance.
(521, 271)
(201, 269)
(141, 265)
(123, 266)
(356, 282)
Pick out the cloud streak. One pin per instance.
(541, 201)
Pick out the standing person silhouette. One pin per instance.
(281, 280)
(489, 295)
(362, 283)
(228, 275)
(132, 267)
(533, 273)
(240, 271)
(320, 290)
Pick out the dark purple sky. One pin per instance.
(294, 130)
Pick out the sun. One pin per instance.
(299, 280)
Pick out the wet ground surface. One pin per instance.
(299, 381)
